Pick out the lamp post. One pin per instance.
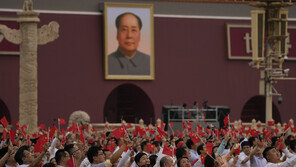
(269, 29)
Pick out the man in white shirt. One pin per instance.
(61, 157)
(25, 158)
(273, 156)
(244, 156)
(256, 157)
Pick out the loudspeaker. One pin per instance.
(258, 32)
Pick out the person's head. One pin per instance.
(182, 151)
(61, 157)
(73, 150)
(23, 156)
(144, 146)
(183, 162)
(166, 162)
(107, 153)
(272, 155)
(190, 144)
(49, 165)
(201, 149)
(95, 155)
(293, 145)
(246, 147)
(142, 159)
(152, 160)
(53, 160)
(128, 32)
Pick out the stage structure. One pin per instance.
(29, 37)
(209, 115)
(269, 46)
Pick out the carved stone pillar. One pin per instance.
(28, 82)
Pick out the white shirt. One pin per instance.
(85, 163)
(193, 155)
(290, 162)
(241, 157)
(98, 165)
(258, 161)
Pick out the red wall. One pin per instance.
(190, 63)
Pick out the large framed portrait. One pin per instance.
(129, 41)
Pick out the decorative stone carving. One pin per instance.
(11, 35)
(48, 33)
(28, 37)
(141, 122)
(79, 117)
(28, 5)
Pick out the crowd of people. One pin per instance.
(132, 146)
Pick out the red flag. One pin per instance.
(270, 123)
(160, 131)
(180, 134)
(226, 120)
(51, 132)
(17, 125)
(71, 162)
(81, 138)
(158, 138)
(4, 121)
(152, 131)
(111, 148)
(41, 126)
(209, 147)
(189, 123)
(171, 124)
(202, 158)
(195, 139)
(180, 144)
(192, 163)
(142, 132)
(4, 135)
(12, 136)
(162, 125)
(237, 151)
(61, 121)
(168, 151)
(74, 127)
(38, 147)
(86, 128)
(183, 125)
(119, 132)
(136, 131)
(129, 125)
(150, 147)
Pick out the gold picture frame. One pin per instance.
(129, 41)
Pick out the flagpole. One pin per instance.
(228, 122)
(172, 129)
(59, 123)
(205, 144)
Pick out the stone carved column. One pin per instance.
(29, 37)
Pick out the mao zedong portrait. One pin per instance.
(127, 59)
